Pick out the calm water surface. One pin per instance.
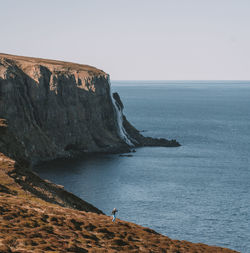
(198, 192)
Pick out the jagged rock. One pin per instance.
(138, 139)
(118, 100)
(124, 155)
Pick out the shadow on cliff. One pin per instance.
(55, 117)
(31, 182)
(52, 116)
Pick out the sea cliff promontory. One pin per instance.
(57, 109)
(51, 109)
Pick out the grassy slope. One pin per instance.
(30, 224)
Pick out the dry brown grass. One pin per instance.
(29, 224)
(25, 61)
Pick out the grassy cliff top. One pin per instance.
(24, 61)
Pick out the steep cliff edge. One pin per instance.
(50, 109)
(56, 109)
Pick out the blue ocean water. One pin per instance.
(198, 192)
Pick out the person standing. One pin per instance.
(114, 214)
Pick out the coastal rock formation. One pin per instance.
(51, 109)
(56, 109)
(136, 138)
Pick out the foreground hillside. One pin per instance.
(27, 226)
(35, 218)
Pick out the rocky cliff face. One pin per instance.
(50, 109)
(57, 109)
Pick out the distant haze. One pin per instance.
(134, 39)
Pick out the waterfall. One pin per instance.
(119, 116)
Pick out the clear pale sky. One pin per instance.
(134, 39)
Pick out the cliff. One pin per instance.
(57, 109)
(51, 109)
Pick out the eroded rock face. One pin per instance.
(56, 109)
(136, 137)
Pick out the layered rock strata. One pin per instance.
(56, 109)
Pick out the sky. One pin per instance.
(134, 39)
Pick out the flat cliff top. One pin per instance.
(54, 65)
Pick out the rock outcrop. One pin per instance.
(135, 136)
(56, 109)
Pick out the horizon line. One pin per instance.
(181, 80)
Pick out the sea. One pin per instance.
(199, 192)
